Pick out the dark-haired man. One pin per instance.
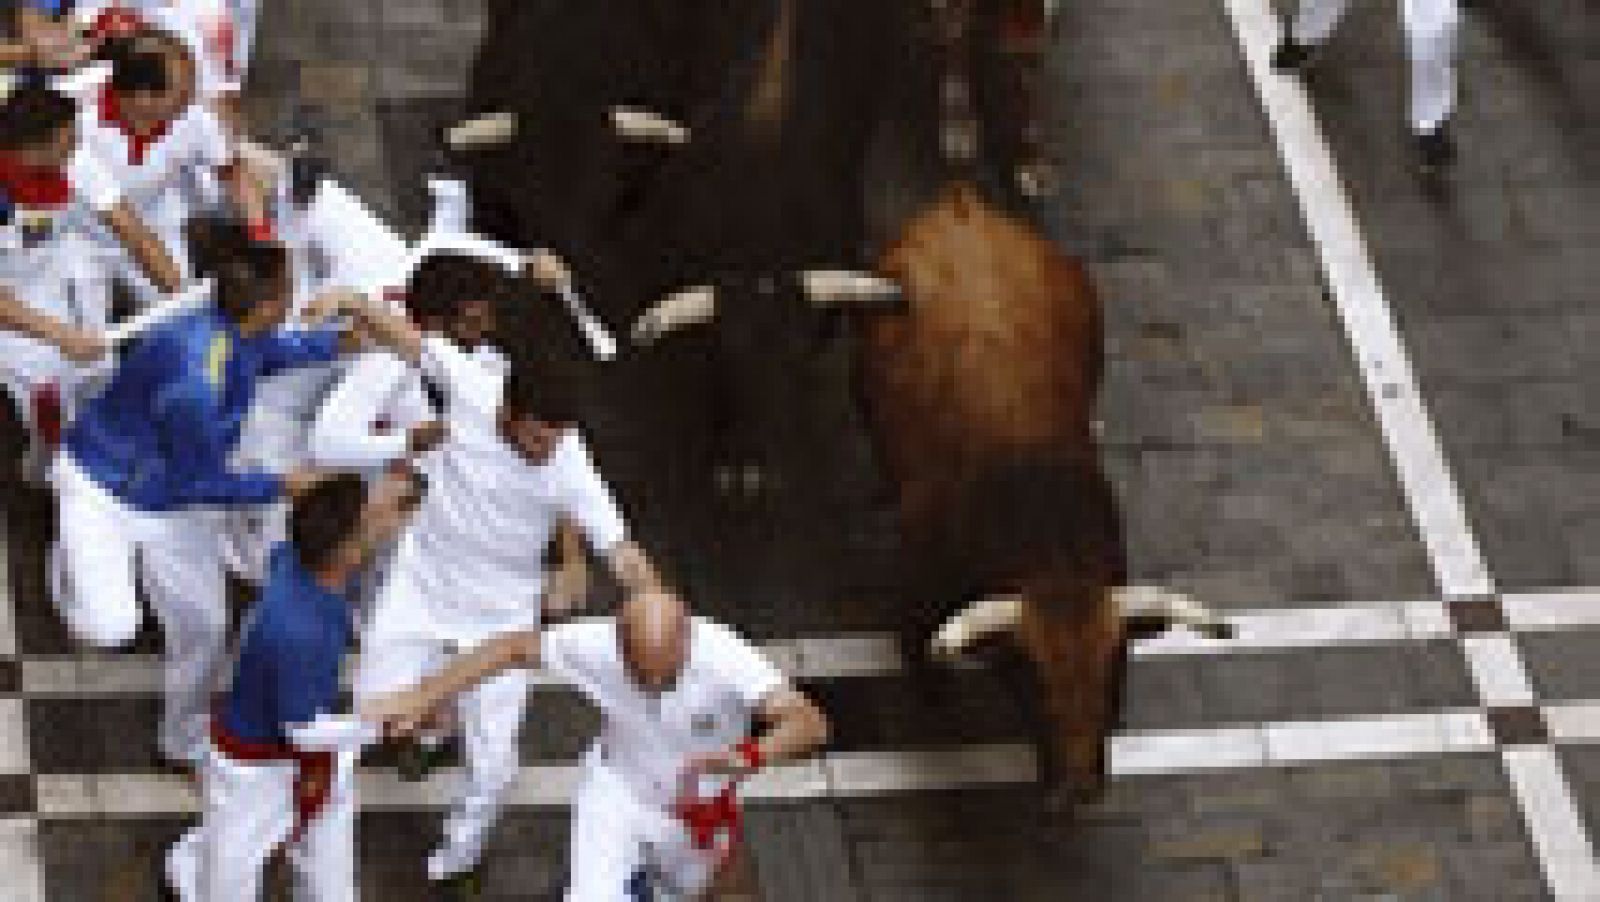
(53, 305)
(470, 566)
(266, 781)
(166, 151)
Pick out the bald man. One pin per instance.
(682, 699)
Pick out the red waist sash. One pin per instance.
(313, 771)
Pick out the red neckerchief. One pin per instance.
(115, 22)
(313, 771)
(138, 145)
(33, 186)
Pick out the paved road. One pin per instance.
(1370, 735)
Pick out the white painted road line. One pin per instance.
(860, 774)
(1566, 853)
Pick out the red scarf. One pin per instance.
(313, 771)
(33, 186)
(138, 145)
(115, 22)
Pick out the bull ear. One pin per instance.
(689, 307)
(487, 130)
(848, 288)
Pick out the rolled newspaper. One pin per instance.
(191, 297)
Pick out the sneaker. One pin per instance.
(1436, 150)
(1291, 55)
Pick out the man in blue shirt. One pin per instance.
(265, 781)
(146, 466)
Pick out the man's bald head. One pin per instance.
(653, 629)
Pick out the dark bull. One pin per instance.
(978, 342)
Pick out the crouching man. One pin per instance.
(682, 698)
(265, 782)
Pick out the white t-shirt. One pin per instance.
(475, 549)
(172, 167)
(41, 244)
(648, 739)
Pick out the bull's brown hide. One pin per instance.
(982, 396)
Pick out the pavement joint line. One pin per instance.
(1544, 795)
(871, 653)
(19, 835)
(1260, 746)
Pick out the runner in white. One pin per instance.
(471, 566)
(681, 698)
(168, 154)
(53, 304)
(1432, 29)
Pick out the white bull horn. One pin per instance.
(488, 130)
(1165, 609)
(977, 621)
(827, 287)
(692, 306)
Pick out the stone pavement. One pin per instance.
(1345, 747)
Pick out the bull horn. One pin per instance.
(977, 621)
(637, 124)
(692, 306)
(838, 287)
(1162, 609)
(487, 130)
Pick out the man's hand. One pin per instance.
(303, 480)
(424, 437)
(547, 269)
(332, 305)
(401, 714)
(82, 346)
(728, 763)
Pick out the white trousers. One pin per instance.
(615, 835)
(1432, 28)
(398, 649)
(101, 542)
(249, 812)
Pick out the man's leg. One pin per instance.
(182, 562)
(324, 859)
(1432, 28)
(606, 852)
(249, 811)
(491, 718)
(93, 561)
(1311, 26)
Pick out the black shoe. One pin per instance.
(1291, 55)
(417, 761)
(1436, 151)
(466, 886)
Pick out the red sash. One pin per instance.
(708, 819)
(313, 771)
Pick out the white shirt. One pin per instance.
(474, 551)
(158, 187)
(364, 422)
(43, 244)
(648, 739)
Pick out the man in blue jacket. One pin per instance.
(267, 780)
(145, 468)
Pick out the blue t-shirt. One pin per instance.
(288, 670)
(161, 433)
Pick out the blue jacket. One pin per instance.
(159, 436)
(288, 671)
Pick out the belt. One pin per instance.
(313, 771)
